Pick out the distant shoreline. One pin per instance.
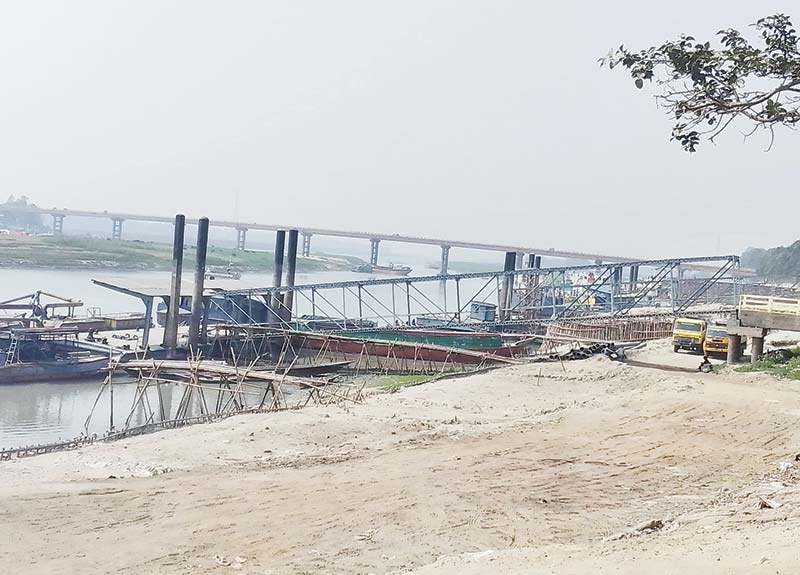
(82, 253)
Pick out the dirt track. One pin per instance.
(505, 472)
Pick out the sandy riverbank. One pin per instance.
(503, 472)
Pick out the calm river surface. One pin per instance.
(48, 412)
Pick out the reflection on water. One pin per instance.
(33, 413)
(49, 412)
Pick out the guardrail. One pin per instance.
(770, 304)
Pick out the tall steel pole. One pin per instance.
(291, 266)
(277, 275)
(171, 328)
(199, 283)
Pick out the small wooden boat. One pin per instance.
(55, 370)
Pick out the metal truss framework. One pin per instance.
(540, 294)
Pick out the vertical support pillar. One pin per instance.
(507, 294)
(445, 260)
(116, 228)
(58, 224)
(408, 301)
(734, 348)
(148, 321)
(277, 275)
(306, 244)
(173, 311)
(527, 282)
(204, 323)
(537, 265)
(756, 348)
(616, 280)
(291, 265)
(679, 285)
(373, 254)
(633, 272)
(241, 238)
(458, 300)
(736, 280)
(199, 280)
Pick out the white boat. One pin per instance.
(228, 273)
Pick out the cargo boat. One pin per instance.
(478, 341)
(355, 346)
(55, 370)
(391, 269)
(52, 354)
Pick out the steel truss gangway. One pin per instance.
(510, 299)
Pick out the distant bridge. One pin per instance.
(117, 219)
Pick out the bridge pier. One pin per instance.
(679, 284)
(445, 260)
(58, 224)
(116, 228)
(306, 244)
(373, 254)
(530, 280)
(734, 348)
(756, 348)
(616, 281)
(241, 237)
(633, 277)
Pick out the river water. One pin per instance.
(49, 412)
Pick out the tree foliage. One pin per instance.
(779, 263)
(21, 221)
(704, 89)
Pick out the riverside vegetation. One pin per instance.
(73, 252)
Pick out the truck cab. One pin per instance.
(716, 341)
(689, 334)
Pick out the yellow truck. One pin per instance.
(688, 333)
(716, 341)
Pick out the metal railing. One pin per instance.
(770, 304)
(539, 294)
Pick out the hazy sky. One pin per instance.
(480, 120)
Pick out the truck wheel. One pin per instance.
(676, 348)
